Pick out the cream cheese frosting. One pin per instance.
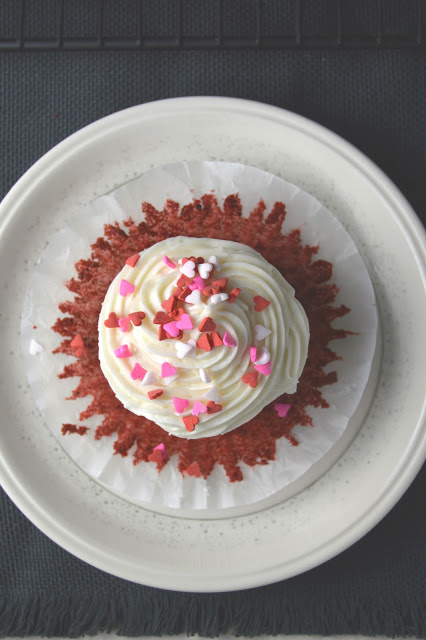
(206, 362)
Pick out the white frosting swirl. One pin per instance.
(225, 366)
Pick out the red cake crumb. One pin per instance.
(253, 443)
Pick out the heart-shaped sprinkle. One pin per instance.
(156, 456)
(204, 342)
(218, 297)
(149, 379)
(180, 404)
(155, 393)
(170, 304)
(184, 294)
(185, 322)
(260, 303)
(123, 351)
(168, 262)
(112, 321)
(205, 269)
(234, 294)
(194, 297)
(162, 449)
(212, 394)
(197, 283)
(216, 339)
(198, 408)
(207, 325)
(35, 347)
(126, 288)
(282, 409)
(210, 291)
(138, 372)
(161, 318)
(204, 376)
(183, 349)
(212, 407)
(171, 328)
(188, 269)
(253, 354)
(133, 260)
(263, 356)
(192, 342)
(261, 332)
(228, 340)
(220, 283)
(136, 317)
(183, 281)
(265, 369)
(167, 370)
(194, 468)
(215, 262)
(251, 379)
(162, 335)
(190, 422)
(124, 324)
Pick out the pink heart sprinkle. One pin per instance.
(228, 340)
(198, 408)
(160, 447)
(253, 354)
(263, 368)
(180, 404)
(171, 328)
(123, 351)
(124, 324)
(168, 262)
(183, 323)
(282, 409)
(197, 283)
(167, 370)
(138, 372)
(126, 288)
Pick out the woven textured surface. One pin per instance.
(376, 100)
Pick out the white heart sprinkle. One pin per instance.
(182, 349)
(192, 342)
(188, 269)
(204, 269)
(35, 347)
(212, 394)
(149, 378)
(215, 262)
(217, 297)
(263, 356)
(205, 376)
(194, 297)
(170, 379)
(261, 332)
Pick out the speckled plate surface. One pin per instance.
(346, 502)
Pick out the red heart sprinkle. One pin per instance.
(205, 342)
(185, 293)
(221, 283)
(234, 294)
(207, 325)
(169, 304)
(183, 281)
(212, 407)
(136, 317)
(216, 339)
(161, 318)
(112, 321)
(162, 334)
(199, 260)
(251, 379)
(178, 313)
(77, 342)
(185, 260)
(176, 293)
(155, 393)
(133, 260)
(190, 422)
(194, 470)
(156, 456)
(260, 303)
(209, 291)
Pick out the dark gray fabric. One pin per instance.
(375, 99)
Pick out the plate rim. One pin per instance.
(415, 235)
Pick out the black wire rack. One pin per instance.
(210, 24)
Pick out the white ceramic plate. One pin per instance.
(325, 518)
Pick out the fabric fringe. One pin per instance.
(139, 611)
